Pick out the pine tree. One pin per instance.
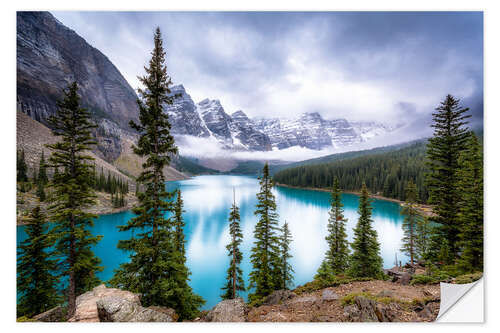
(324, 273)
(40, 191)
(22, 168)
(410, 222)
(42, 170)
(265, 252)
(337, 255)
(365, 260)
(36, 281)
(179, 224)
(234, 279)
(443, 151)
(156, 270)
(422, 239)
(72, 193)
(286, 268)
(470, 215)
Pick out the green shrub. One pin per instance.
(468, 278)
(335, 281)
(349, 298)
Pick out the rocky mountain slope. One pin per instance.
(49, 56)
(239, 132)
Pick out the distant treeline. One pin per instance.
(384, 173)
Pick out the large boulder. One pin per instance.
(328, 295)
(278, 297)
(231, 310)
(52, 315)
(111, 304)
(367, 310)
(116, 309)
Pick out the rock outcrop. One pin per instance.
(231, 310)
(110, 304)
(118, 309)
(53, 315)
(183, 114)
(367, 310)
(278, 297)
(49, 56)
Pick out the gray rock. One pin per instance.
(278, 297)
(329, 295)
(53, 315)
(386, 293)
(405, 278)
(117, 309)
(367, 310)
(49, 56)
(231, 310)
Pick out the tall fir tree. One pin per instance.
(72, 192)
(179, 224)
(40, 191)
(265, 256)
(42, 170)
(337, 255)
(22, 168)
(410, 222)
(36, 269)
(286, 267)
(422, 239)
(471, 206)
(365, 260)
(324, 272)
(443, 151)
(234, 279)
(157, 270)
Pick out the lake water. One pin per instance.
(207, 200)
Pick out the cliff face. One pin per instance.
(49, 56)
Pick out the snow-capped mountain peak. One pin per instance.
(238, 131)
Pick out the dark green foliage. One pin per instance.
(71, 193)
(324, 272)
(470, 214)
(42, 170)
(365, 260)
(254, 167)
(234, 279)
(265, 255)
(191, 166)
(410, 222)
(384, 173)
(332, 281)
(42, 179)
(179, 240)
(422, 237)
(22, 168)
(40, 191)
(443, 152)
(286, 268)
(36, 281)
(157, 268)
(337, 255)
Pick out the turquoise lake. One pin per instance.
(207, 200)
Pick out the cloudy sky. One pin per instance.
(391, 67)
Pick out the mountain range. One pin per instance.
(239, 132)
(50, 56)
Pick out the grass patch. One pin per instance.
(318, 284)
(468, 278)
(349, 299)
